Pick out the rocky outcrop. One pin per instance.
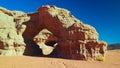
(50, 30)
(64, 35)
(11, 29)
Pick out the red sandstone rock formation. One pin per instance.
(50, 30)
(74, 39)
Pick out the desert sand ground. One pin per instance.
(112, 61)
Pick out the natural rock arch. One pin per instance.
(43, 19)
(75, 39)
(54, 30)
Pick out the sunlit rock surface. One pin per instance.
(11, 29)
(54, 31)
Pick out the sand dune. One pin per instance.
(112, 61)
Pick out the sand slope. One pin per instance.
(112, 61)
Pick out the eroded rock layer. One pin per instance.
(50, 30)
(11, 29)
(68, 37)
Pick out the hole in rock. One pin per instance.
(32, 49)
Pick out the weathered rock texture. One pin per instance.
(54, 31)
(11, 29)
(64, 35)
(46, 41)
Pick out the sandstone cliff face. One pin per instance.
(11, 29)
(50, 30)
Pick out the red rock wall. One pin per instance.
(74, 39)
